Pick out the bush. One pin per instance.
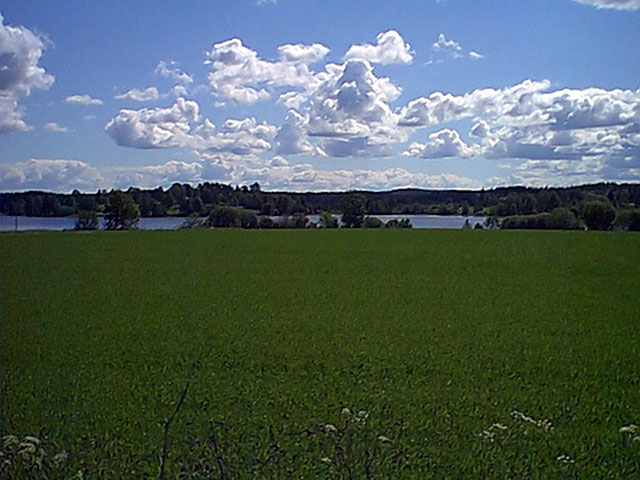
(328, 221)
(193, 221)
(266, 223)
(628, 220)
(87, 220)
(563, 219)
(634, 222)
(559, 219)
(224, 217)
(373, 222)
(399, 223)
(598, 215)
(249, 221)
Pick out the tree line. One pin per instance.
(599, 206)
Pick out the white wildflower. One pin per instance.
(566, 459)
(9, 440)
(629, 429)
(383, 439)
(487, 435)
(26, 448)
(60, 457)
(329, 428)
(346, 411)
(362, 416)
(33, 440)
(325, 460)
(545, 424)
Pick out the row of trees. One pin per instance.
(122, 213)
(595, 213)
(600, 206)
(184, 199)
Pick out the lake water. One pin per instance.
(8, 224)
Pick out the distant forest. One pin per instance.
(184, 199)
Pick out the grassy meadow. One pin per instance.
(320, 354)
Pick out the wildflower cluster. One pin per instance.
(351, 448)
(544, 424)
(490, 433)
(566, 459)
(632, 431)
(26, 455)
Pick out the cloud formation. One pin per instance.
(241, 76)
(137, 95)
(172, 70)
(340, 110)
(614, 4)
(442, 144)
(390, 48)
(54, 127)
(445, 48)
(20, 52)
(580, 135)
(155, 127)
(181, 126)
(83, 99)
(279, 174)
(46, 174)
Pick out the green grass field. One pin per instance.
(322, 354)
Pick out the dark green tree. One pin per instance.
(87, 220)
(563, 219)
(598, 215)
(328, 221)
(121, 212)
(634, 221)
(353, 207)
(373, 222)
(249, 220)
(223, 217)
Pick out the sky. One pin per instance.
(318, 95)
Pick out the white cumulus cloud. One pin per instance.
(49, 174)
(528, 122)
(448, 48)
(299, 53)
(151, 176)
(442, 144)
(146, 95)
(390, 48)
(181, 126)
(241, 76)
(54, 127)
(172, 70)
(20, 52)
(615, 4)
(155, 127)
(83, 99)
(240, 137)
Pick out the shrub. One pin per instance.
(399, 223)
(87, 220)
(223, 217)
(328, 221)
(598, 215)
(373, 222)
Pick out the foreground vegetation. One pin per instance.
(320, 354)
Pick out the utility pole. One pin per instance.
(16, 227)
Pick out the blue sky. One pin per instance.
(315, 95)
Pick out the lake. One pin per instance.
(8, 224)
